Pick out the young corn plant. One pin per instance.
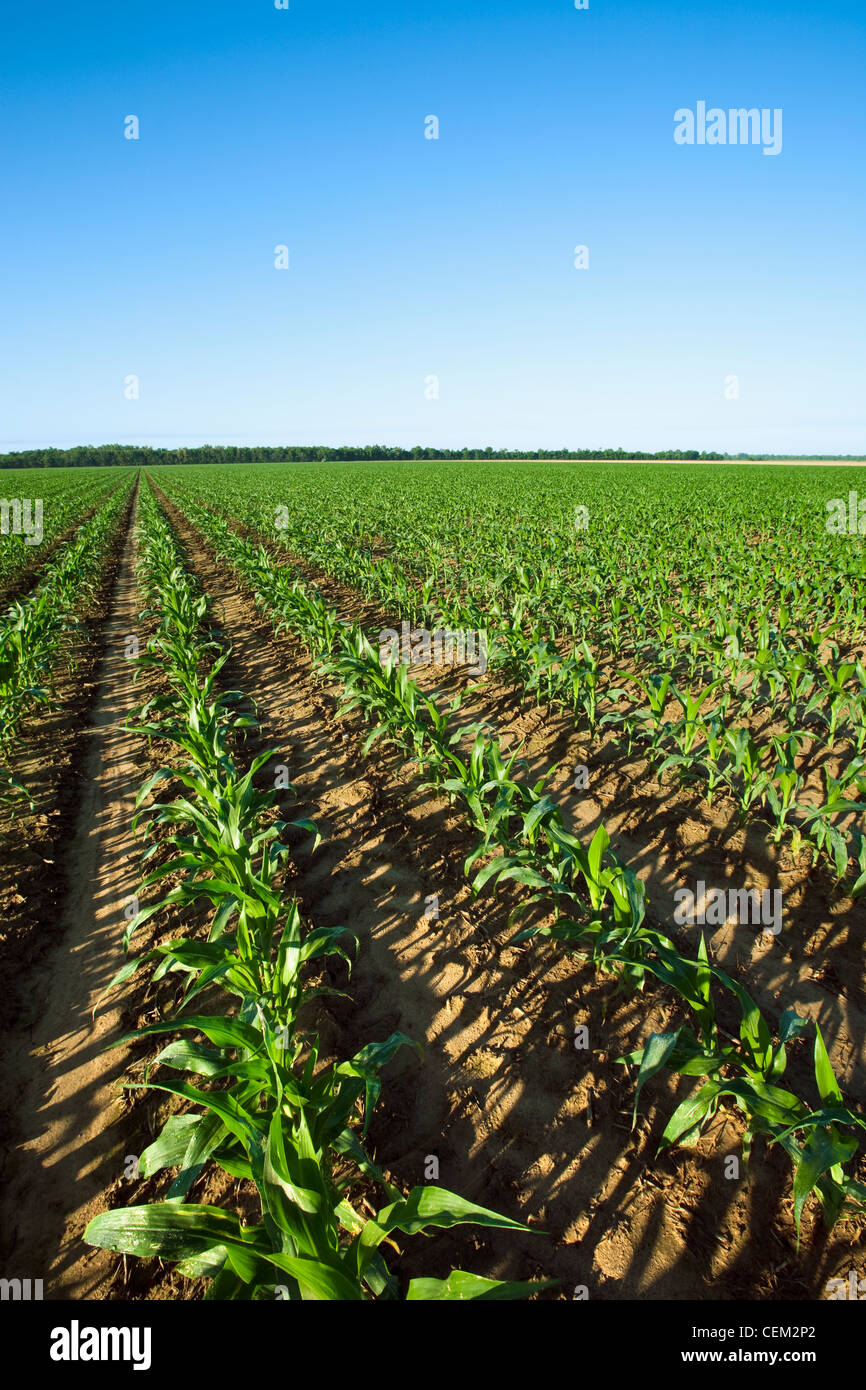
(785, 783)
(657, 690)
(582, 672)
(836, 679)
(820, 822)
(745, 775)
(746, 1070)
(291, 1131)
(687, 730)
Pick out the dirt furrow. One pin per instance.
(58, 1081)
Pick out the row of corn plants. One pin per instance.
(596, 904)
(33, 528)
(37, 635)
(264, 1110)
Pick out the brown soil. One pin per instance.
(59, 1087)
(50, 760)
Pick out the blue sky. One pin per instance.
(413, 258)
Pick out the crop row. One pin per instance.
(35, 633)
(690, 707)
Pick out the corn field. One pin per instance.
(498, 855)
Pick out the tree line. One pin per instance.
(139, 455)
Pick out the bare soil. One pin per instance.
(59, 1088)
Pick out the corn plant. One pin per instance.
(745, 774)
(820, 821)
(785, 782)
(769, 1109)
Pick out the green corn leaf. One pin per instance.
(505, 867)
(432, 1206)
(822, 1150)
(237, 1120)
(367, 1064)
(168, 1150)
(224, 1032)
(207, 1136)
(325, 941)
(598, 847)
(176, 1233)
(347, 1143)
(655, 1056)
(294, 1199)
(187, 1055)
(753, 1027)
(125, 973)
(542, 808)
(210, 1266)
(791, 1025)
(233, 1165)
(461, 1286)
(828, 1115)
(684, 1126)
(828, 1087)
(318, 1282)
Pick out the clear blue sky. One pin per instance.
(410, 257)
